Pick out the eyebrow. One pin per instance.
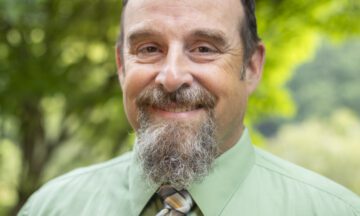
(215, 36)
(211, 35)
(139, 35)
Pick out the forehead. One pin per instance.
(182, 14)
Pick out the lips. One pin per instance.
(176, 108)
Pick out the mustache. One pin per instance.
(185, 96)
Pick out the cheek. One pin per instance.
(222, 78)
(137, 77)
(135, 81)
(130, 110)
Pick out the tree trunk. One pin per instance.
(33, 147)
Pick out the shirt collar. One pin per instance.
(214, 192)
(229, 171)
(140, 192)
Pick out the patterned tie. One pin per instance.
(175, 202)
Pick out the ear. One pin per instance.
(119, 64)
(254, 68)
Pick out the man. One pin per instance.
(186, 68)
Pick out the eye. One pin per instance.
(148, 49)
(204, 49)
(204, 52)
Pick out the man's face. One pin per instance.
(181, 77)
(188, 43)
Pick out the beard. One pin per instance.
(176, 152)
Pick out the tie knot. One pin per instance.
(174, 200)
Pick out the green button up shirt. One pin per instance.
(244, 181)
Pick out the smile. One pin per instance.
(174, 111)
(179, 109)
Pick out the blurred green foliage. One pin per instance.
(291, 31)
(60, 104)
(328, 146)
(329, 82)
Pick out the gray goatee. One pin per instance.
(176, 152)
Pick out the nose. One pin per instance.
(174, 72)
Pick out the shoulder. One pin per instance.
(314, 188)
(79, 187)
(92, 174)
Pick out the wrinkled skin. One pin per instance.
(175, 44)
